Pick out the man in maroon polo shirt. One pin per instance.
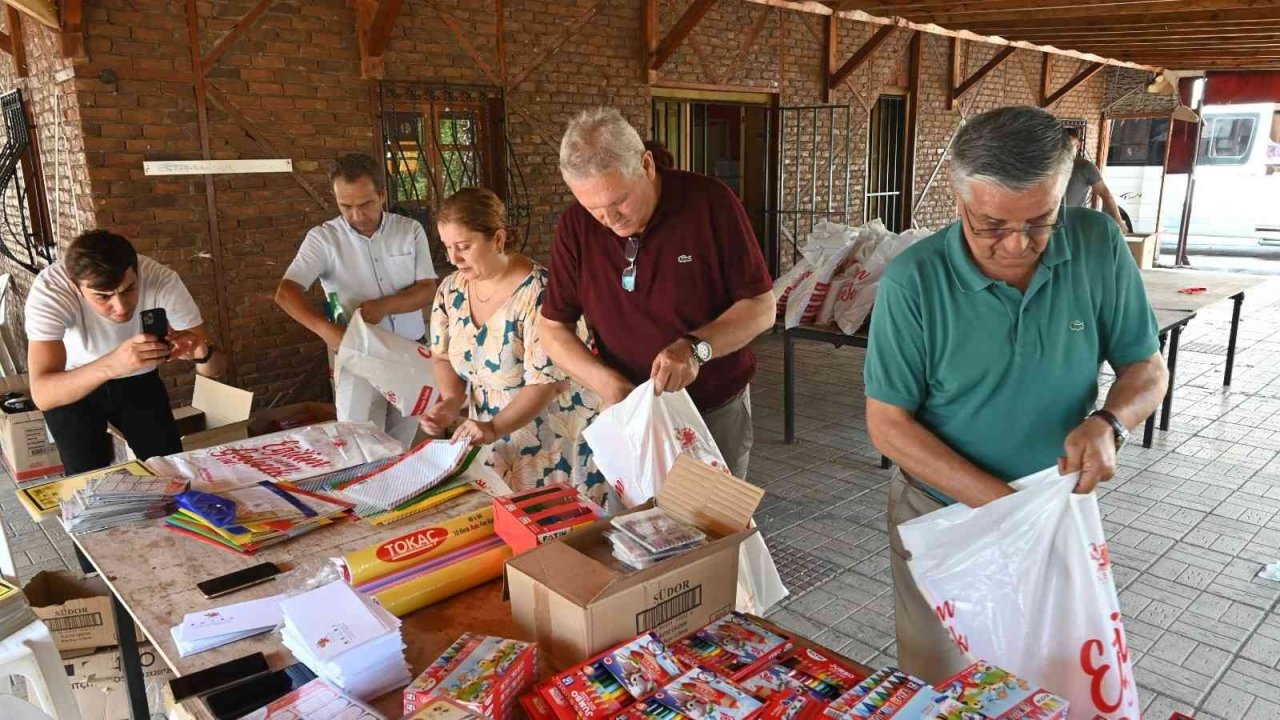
(667, 270)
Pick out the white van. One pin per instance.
(1237, 195)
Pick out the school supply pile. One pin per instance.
(450, 551)
(315, 451)
(734, 646)
(346, 639)
(643, 538)
(979, 692)
(417, 472)
(118, 498)
(480, 674)
(248, 519)
(208, 629)
(15, 611)
(525, 520)
(610, 682)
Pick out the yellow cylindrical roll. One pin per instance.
(419, 546)
(444, 583)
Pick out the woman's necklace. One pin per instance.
(497, 283)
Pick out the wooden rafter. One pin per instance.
(748, 42)
(71, 35)
(1087, 72)
(550, 50)
(708, 67)
(955, 69)
(965, 14)
(861, 56)
(374, 22)
(467, 47)
(42, 11)
(233, 36)
(17, 48)
(831, 46)
(678, 32)
(915, 62)
(996, 61)
(1046, 77)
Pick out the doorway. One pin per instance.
(887, 163)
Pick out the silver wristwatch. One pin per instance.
(702, 351)
(1117, 427)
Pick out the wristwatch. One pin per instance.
(208, 355)
(701, 349)
(1117, 427)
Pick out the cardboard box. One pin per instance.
(1143, 248)
(287, 417)
(218, 414)
(527, 519)
(482, 674)
(76, 609)
(28, 448)
(98, 684)
(572, 596)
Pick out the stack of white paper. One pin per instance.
(213, 628)
(347, 639)
(424, 468)
(119, 498)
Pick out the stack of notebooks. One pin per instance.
(643, 538)
(429, 472)
(15, 613)
(346, 639)
(119, 498)
(251, 518)
(216, 627)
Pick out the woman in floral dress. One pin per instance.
(490, 363)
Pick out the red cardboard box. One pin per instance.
(482, 674)
(529, 518)
(608, 683)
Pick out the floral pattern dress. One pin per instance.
(496, 360)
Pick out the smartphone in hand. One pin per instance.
(155, 322)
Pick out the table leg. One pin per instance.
(788, 388)
(1231, 340)
(130, 662)
(1174, 335)
(1149, 427)
(86, 567)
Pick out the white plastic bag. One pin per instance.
(636, 442)
(397, 368)
(1025, 583)
(853, 292)
(825, 252)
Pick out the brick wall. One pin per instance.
(294, 80)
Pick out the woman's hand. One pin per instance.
(439, 417)
(476, 432)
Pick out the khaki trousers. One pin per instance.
(730, 426)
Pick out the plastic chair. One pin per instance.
(30, 653)
(7, 570)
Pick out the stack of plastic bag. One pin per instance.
(835, 279)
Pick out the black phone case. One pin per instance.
(217, 586)
(240, 700)
(218, 676)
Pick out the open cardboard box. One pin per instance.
(576, 600)
(218, 414)
(29, 451)
(77, 610)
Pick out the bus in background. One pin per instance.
(1236, 207)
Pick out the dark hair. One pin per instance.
(353, 166)
(1015, 148)
(100, 259)
(476, 209)
(662, 157)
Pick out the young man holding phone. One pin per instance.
(89, 359)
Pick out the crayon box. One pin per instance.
(705, 695)
(527, 519)
(481, 674)
(1001, 695)
(733, 646)
(611, 681)
(807, 671)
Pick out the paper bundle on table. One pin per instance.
(118, 498)
(208, 629)
(346, 639)
(428, 465)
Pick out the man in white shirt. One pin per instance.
(88, 360)
(367, 260)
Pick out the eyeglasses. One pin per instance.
(1034, 232)
(629, 272)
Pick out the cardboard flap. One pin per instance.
(707, 498)
(573, 575)
(222, 404)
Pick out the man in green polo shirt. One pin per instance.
(986, 342)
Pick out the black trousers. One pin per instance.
(137, 406)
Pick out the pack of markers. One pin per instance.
(643, 538)
(979, 692)
(608, 683)
(733, 646)
(526, 519)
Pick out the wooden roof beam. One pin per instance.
(71, 35)
(1080, 77)
(965, 13)
(859, 57)
(231, 38)
(43, 11)
(17, 49)
(375, 20)
(678, 32)
(815, 8)
(996, 61)
(1087, 17)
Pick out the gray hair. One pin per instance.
(1015, 148)
(598, 142)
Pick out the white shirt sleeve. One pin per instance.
(50, 310)
(172, 295)
(424, 269)
(311, 262)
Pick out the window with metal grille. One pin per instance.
(24, 228)
(439, 139)
(887, 162)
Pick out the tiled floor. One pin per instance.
(1189, 521)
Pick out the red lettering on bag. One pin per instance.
(1091, 653)
(946, 611)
